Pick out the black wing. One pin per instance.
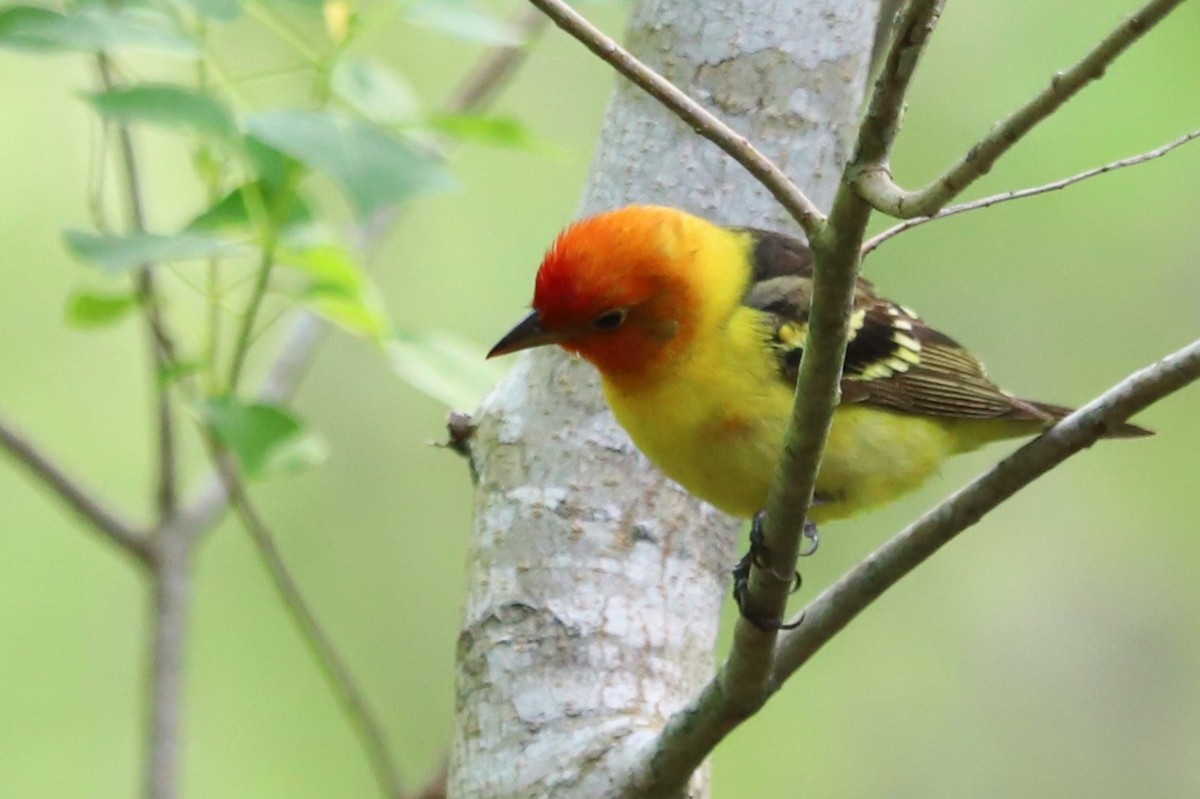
(893, 359)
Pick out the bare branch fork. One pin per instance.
(873, 176)
(873, 243)
(755, 668)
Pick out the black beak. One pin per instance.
(528, 333)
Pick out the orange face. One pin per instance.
(609, 289)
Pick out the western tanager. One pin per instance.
(697, 331)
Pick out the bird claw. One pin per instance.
(741, 586)
(759, 553)
(810, 535)
(759, 556)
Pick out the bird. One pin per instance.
(697, 331)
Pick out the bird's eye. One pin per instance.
(609, 320)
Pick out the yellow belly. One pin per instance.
(728, 458)
(874, 456)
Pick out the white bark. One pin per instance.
(595, 583)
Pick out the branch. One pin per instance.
(874, 180)
(836, 248)
(117, 530)
(261, 281)
(170, 586)
(497, 67)
(914, 26)
(161, 345)
(329, 661)
(850, 595)
(699, 118)
(987, 202)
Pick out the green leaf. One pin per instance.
(220, 10)
(360, 313)
(298, 454)
(483, 129)
(93, 29)
(373, 168)
(232, 213)
(328, 265)
(339, 289)
(444, 366)
(165, 105)
(254, 432)
(276, 170)
(117, 254)
(376, 91)
(305, 6)
(462, 20)
(87, 310)
(307, 234)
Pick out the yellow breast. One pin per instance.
(714, 422)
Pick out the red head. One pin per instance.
(615, 289)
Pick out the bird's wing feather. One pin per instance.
(893, 359)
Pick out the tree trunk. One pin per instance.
(595, 583)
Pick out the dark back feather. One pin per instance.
(893, 359)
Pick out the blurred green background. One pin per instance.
(1054, 650)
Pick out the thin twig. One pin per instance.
(336, 673)
(496, 67)
(97, 172)
(874, 180)
(987, 202)
(293, 359)
(161, 346)
(245, 334)
(849, 596)
(121, 532)
(281, 25)
(695, 115)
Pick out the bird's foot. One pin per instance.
(759, 556)
(809, 535)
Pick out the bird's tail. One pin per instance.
(1122, 430)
